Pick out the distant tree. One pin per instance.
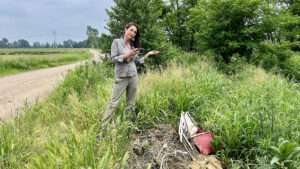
(4, 43)
(36, 45)
(5, 40)
(76, 45)
(22, 43)
(91, 32)
(92, 36)
(82, 44)
(15, 44)
(105, 42)
(47, 45)
(68, 43)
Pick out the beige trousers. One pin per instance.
(120, 85)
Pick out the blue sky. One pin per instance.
(35, 20)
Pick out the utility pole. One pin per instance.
(54, 39)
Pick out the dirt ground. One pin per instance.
(161, 148)
(28, 87)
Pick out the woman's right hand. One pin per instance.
(128, 55)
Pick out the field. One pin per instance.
(21, 60)
(253, 116)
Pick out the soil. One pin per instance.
(161, 148)
(29, 87)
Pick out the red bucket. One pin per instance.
(202, 141)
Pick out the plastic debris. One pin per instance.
(188, 130)
(202, 140)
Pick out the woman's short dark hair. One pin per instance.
(136, 41)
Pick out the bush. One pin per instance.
(291, 67)
(228, 27)
(279, 58)
(235, 65)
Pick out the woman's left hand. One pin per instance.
(154, 52)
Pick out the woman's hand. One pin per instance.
(130, 54)
(153, 52)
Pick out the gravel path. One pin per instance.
(31, 86)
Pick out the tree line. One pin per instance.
(22, 43)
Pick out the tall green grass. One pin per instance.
(17, 60)
(253, 116)
(249, 113)
(64, 130)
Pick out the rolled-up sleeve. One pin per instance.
(115, 55)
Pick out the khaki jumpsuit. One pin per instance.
(126, 78)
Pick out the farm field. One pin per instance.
(253, 116)
(21, 60)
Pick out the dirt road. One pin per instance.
(17, 89)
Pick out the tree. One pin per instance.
(91, 32)
(36, 44)
(292, 26)
(175, 23)
(15, 44)
(92, 36)
(105, 42)
(22, 43)
(47, 45)
(81, 44)
(68, 44)
(231, 27)
(4, 43)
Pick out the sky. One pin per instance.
(37, 20)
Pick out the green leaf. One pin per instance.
(274, 160)
(267, 166)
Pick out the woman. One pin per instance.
(124, 55)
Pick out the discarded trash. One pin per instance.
(160, 147)
(187, 124)
(188, 130)
(202, 141)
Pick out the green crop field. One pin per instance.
(21, 60)
(253, 115)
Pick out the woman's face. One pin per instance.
(130, 32)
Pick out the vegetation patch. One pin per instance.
(252, 115)
(22, 60)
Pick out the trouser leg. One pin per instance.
(131, 91)
(119, 87)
